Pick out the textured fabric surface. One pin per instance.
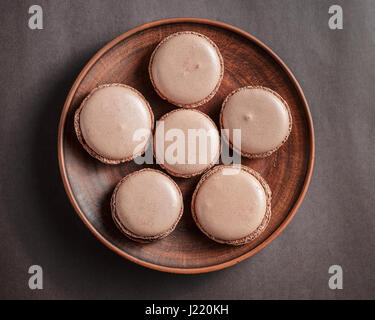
(334, 225)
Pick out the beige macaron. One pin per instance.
(186, 69)
(263, 118)
(186, 142)
(114, 123)
(146, 205)
(232, 204)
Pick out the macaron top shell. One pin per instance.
(109, 119)
(186, 69)
(148, 203)
(262, 116)
(231, 204)
(186, 142)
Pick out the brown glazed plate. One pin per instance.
(90, 183)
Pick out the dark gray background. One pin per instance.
(334, 225)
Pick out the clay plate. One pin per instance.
(89, 183)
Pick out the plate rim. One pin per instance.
(112, 246)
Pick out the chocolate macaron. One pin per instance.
(186, 69)
(263, 117)
(232, 205)
(114, 123)
(146, 205)
(186, 142)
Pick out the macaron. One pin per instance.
(186, 142)
(146, 205)
(232, 205)
(186, 69)
(263, 117)
(114, 123)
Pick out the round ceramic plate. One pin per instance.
(89, 183)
